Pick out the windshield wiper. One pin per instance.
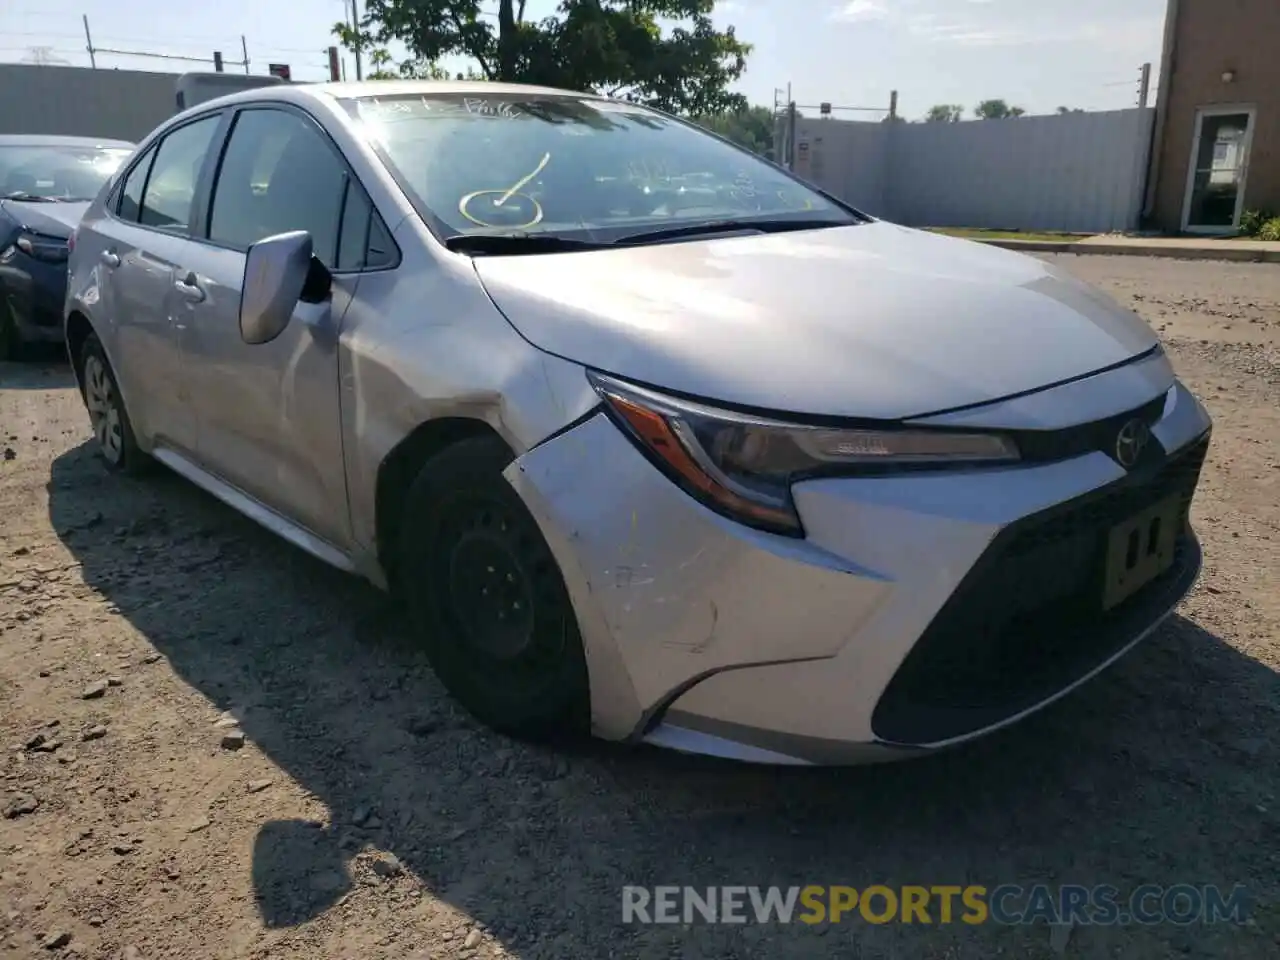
(23, 197)
(517, 242)
(782, 225)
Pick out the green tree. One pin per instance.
(1066, 110)
(945, 113)
(665, 53)
(996, 110)
(750, 127)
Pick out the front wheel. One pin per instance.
(487, 598)
(107, 415)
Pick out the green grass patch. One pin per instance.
(976, 233)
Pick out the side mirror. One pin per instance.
(277, 272)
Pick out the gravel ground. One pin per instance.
(214, 746)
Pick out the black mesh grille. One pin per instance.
(1028, 620)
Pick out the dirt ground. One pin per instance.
(365, 817)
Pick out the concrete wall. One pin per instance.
(1079, 172)
(120, 104)
(1210, 38)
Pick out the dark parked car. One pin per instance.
(46, 184)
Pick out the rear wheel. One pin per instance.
(487, 598)
(107, 416)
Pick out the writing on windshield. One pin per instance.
(574, 166)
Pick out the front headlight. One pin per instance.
(743, 466)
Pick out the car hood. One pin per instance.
(875, 321)
(51, 219)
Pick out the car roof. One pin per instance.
(394, 88)
(383, 88)
(49, 140)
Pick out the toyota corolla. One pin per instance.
(653, 438)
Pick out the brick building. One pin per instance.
(1216, 151)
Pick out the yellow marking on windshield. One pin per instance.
(546, 158)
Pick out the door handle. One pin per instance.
(110, 258)
(190, 289)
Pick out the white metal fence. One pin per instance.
(1076, 172)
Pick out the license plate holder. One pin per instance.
(1140, 549)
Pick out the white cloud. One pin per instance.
(860, 10)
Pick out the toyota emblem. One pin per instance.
(1131, 441)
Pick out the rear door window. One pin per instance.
(171, 187)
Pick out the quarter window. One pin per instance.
(279, 173)
(364, 243)
(130, 200)
(174, 173)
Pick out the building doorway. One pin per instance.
(1219, 165)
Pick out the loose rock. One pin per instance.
(257, 786)
(233, 740)
(115, 682)
(55, 940)
(94, 690)
(387, 865)
(472, 941)
(94, 733)
(19, 805)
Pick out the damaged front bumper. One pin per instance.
(710, 637)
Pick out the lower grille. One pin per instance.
(1028, 620)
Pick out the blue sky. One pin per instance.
(1038, 54)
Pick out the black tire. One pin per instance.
(112, 428)
(487, 598)
(11, 345)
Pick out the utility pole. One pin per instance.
(355, 28)
(893, 104)
(1144, 85)
(217, 61)
(88, 43)
(244, 54)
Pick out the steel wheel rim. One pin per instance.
(532, 643)
(104, 409)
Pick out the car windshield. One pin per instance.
(574, 167)
(57, 172)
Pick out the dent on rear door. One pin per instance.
(149, 352)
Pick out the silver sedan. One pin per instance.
(655, 439)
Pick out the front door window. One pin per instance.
(1220, 158)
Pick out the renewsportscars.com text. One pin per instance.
(1101, 905)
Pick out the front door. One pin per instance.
(1219, 165)
(269, 416)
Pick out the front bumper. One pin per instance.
(32, 294)
(891, 629)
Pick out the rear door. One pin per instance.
(139, 243)
(269, 415)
